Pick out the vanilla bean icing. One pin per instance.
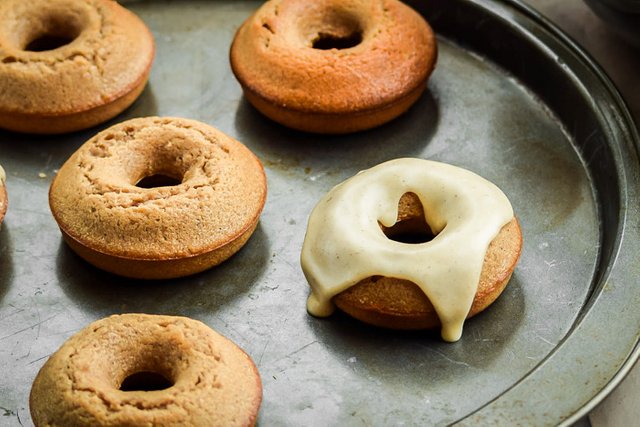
(345, 244)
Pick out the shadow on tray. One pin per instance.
(406, 136)
(484, 339)
(96, 290)
(6, 260)
(42, 152)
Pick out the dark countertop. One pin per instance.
(619, 57)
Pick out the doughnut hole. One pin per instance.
(411, 227)
(48, 30)
(145, 381)
(146, 366)
(160, 172)
(326, 41)
(166, 165)
(332, 29)
(49, 42)
(158, 180)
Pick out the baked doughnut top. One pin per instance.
(273, 54)
(210, 381)
(104, 52)
(218, 193)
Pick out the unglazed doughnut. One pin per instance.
(349, 260)
(67, 65)
(156, 198)
(333, 66)
(3, 194)
(139, 369)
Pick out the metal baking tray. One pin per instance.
(512, 99)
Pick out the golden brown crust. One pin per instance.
(337, 123)
(213, 381)
(335, 90)
(98, 71)
(401, 304)
(162, 231)
(163, 268)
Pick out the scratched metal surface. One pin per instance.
(547, 349)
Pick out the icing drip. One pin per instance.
(344, 243)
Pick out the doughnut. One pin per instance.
(410, 244)
(140, 369)
(67, 65)
(333, 66)
(158, 198)
(3, 194)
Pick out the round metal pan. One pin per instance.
(511, 99)
(601, 346)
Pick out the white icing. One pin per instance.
(3, 176)
(344, 243)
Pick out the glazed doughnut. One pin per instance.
(352, 259)
(139, 369)
(3, 194)
(156, 198)
(67, 65)
(333, 66)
